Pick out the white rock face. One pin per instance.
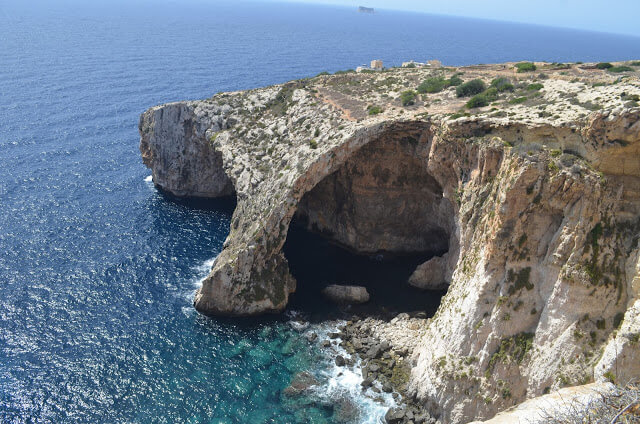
(621, 356)
(346, 294)
(571, 401)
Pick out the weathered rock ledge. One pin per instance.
(533, 203)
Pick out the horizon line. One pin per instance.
(450, 15)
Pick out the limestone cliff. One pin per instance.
(533, 201)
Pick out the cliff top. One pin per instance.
(545, 93)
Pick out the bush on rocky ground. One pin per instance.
(471, 88)
(604, 65)
(408, 98)
(526, 67)
(437, 84)
(502, 84)
(618, 69)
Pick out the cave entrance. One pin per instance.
(371, 223)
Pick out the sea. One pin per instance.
(98, 268)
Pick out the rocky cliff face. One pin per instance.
(534, 203)
(174, 145)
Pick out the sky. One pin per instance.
(615, 16)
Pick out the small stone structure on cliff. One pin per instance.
(529, 194)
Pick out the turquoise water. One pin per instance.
(98, 269)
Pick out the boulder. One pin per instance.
(395, 415)
(346, 294)
(431, 275)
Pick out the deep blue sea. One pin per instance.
(98, 269)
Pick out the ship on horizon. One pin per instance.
(363, 9)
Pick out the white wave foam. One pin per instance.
(148, 179)
(344, 382)
(201, 271)
(204, 268)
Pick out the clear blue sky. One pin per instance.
(617, 16)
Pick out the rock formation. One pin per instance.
(346, 294)
(432, 275)
(532, 202)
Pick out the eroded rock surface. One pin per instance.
(432, 275)
(534, 199)
(346, 294)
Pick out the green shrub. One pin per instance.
(635, 63)
(604, 65)
(617, 320)
(437, 84)
(408, 97)
(502, 84)
(374, 110)
(323, 73)
(479, 100)
(609, 376)
(348, 71)
(491, 94)
(313, 144)
(432, 85)
(526, 67)
(618, 69)
(470, 88)
(535, 86)
(455, 81)
(484, 98)
(517, 100)
(458, 115)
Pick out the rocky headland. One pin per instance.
(521, 180)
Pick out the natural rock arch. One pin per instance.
(336, 194)
(383, 201)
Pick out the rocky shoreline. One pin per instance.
(385, 362)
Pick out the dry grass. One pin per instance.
(620, 406)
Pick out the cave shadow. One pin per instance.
(316, 262)
(225, 204)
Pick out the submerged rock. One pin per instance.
(346, 294)
(300, 383)
(345, 410)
